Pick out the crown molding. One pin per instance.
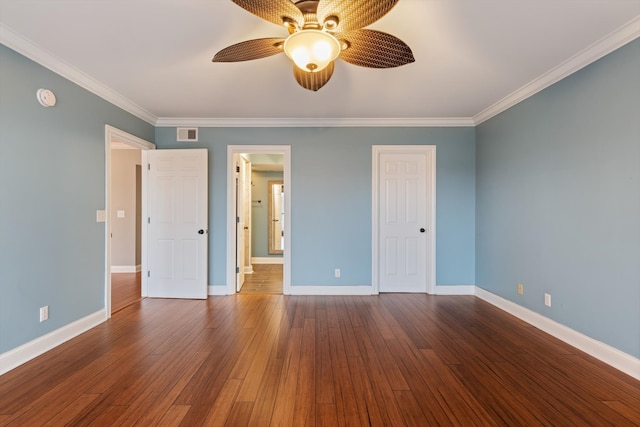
(25, 47)
(615, 40)
(315, 122)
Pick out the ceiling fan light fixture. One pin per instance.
(312, 50)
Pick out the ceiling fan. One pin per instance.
(320, 31)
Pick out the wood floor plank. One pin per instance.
(106, 417)
(408, 321)
(283, 410)
(260, 360)
(222, 406)
(153, 410)
(325, 390)
(431, 407)
(156, 388)
(260, 343)
(382, 390)
(411, 409)
(632, 413)
(65, 416)
(46, 403)
(265, 279)
(350, 344)
(254, 368)
(464, 406)
(346, 403)
(174, 416)
(305, 401)
(126, 289)
(267, 393)
(326, 416)
(240, 414)
(370, 412)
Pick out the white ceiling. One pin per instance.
(473, 58)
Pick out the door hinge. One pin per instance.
(148, 166)
(149, 220)
(237, 220)
(148, 273)
(237, 169)
(237, 270)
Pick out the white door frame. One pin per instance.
(375, 216)
(115, 135)
(285, 150)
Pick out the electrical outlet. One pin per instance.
(520, 289)
(337, 272)
(44, 313)
(547, 300)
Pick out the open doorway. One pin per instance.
(125, 206)
(252, 264)
(125, 218)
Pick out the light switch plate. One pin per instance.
(120, 214)
(101, 216)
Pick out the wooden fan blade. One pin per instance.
(250, 49)
(313, 81)
(354, 14)
(273, 10)
(375, 49)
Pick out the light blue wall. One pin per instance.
(260, 212)
(558, 201)
(52, 181)
(557, 188)
(331, 197)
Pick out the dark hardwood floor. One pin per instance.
(266, 279)
(260, 360)
(125, 290)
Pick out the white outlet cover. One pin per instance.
(120, 214)
(101, 216)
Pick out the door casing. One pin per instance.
(232, 150)
(113, 135)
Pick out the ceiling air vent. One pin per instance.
(188, 134)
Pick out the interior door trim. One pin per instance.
(285, 150)
(114, 135)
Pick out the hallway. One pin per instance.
(266, 279)
(125, 290)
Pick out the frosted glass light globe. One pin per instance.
(312, 50)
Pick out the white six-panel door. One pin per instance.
(404, 218)
(177, 224)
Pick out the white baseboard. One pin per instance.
(331, 290)
(125, 268)
(16, 357)
(267, 260)
(455, 290)
(309, 290)
(217, 290)
(601, 351)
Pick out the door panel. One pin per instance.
(241, 220)
(177, 207)
(404, 204)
